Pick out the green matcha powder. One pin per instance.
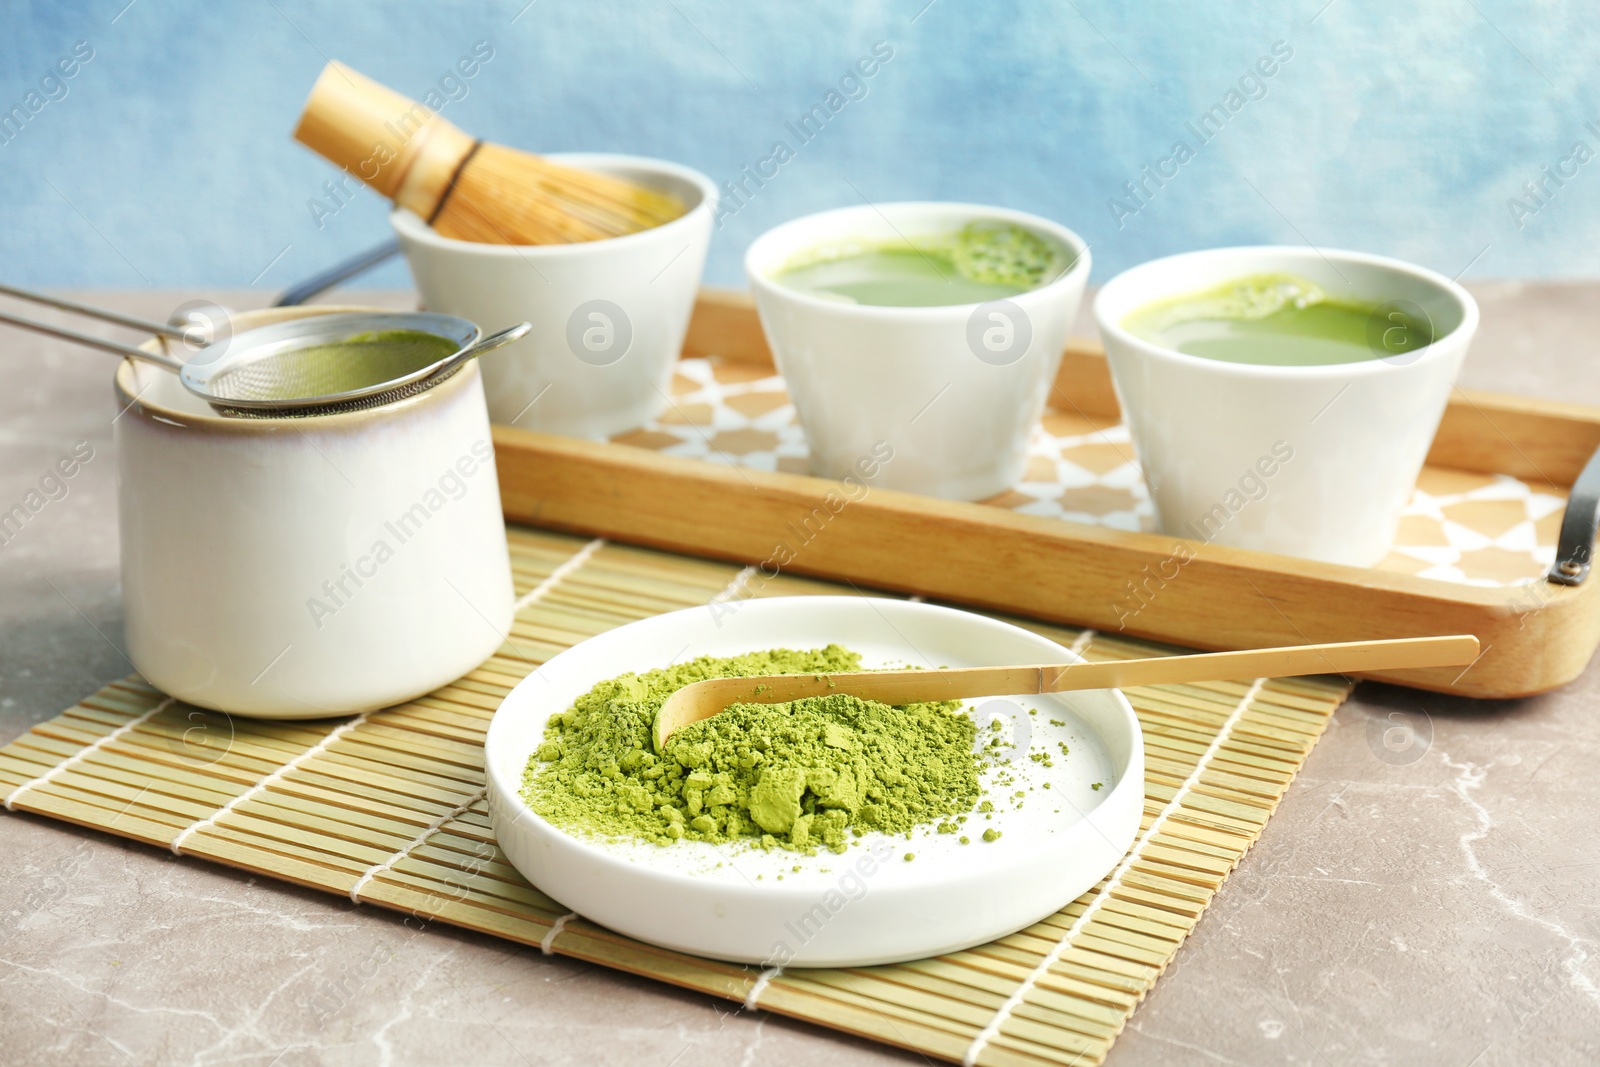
(799, 776)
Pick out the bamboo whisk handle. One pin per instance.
(399, 147)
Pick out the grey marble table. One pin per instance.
(1443, 909)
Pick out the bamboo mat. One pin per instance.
(388, 808)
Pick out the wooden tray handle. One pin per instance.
(338, 274)
(1575, 548)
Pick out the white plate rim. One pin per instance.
(510, 814)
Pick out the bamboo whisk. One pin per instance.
(465, 188)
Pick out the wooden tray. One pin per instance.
(1536, 634)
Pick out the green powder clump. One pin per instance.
(1000, 253)
(798, 776)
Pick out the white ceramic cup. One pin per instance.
(608, 316)
(1317, 461)
(951, 394)
(300, 568)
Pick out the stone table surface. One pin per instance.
(1439, 907)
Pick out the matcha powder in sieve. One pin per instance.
(800, 776)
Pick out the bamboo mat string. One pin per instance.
(261, 786)
(85, 752)
(547, 944)
(752, 999)
(428, 831)
(553, 579)
(1080, 645)
(1063, 943)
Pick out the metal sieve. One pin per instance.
(273, 371)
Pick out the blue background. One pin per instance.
(1396, 128)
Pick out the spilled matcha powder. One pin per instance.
(800, 776)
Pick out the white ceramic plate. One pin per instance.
(868, 905)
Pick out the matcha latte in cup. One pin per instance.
(1283, 399)
(919, 340)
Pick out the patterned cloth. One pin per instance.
(1461, 526)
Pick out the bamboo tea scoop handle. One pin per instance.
(701, 700)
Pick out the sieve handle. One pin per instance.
(101, 343)
(473, 351)
(164, 329)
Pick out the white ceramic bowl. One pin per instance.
(1313, 461)
(951, 393)
(608, 316)
(866, 905)
(252, 575)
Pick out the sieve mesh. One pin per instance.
(360, 403)
(312, 372)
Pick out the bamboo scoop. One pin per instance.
(465, 188)
(701, 700)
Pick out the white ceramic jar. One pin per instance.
(950, 395)
(1317, 461)
(300, 568)
(608, 316)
